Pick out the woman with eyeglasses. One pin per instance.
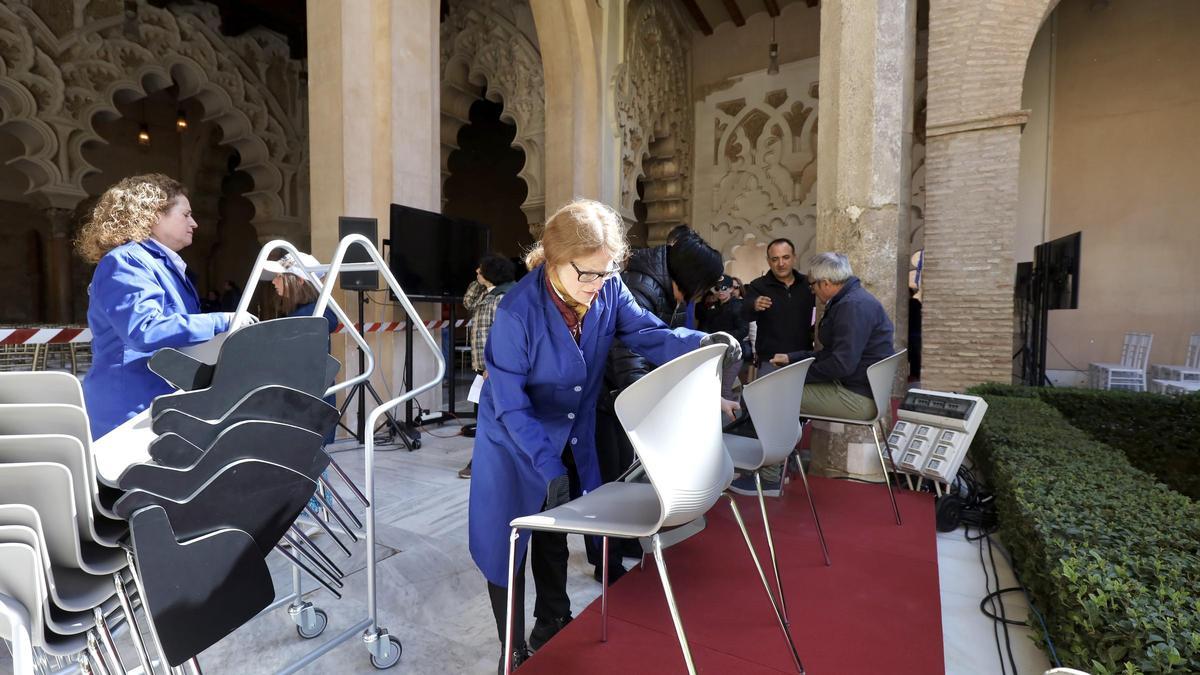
(535, 441)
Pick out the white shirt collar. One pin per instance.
(174, 257)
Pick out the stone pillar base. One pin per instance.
(844, 451)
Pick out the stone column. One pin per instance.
(60, 302)
(863, 191)
(375, 132)
(567, 34)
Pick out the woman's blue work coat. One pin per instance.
(138, 303)
(540, 396)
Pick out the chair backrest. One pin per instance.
(47, 488)
(21, 579)
(673, 418)
(49, 386)
(45, 418)
(1193, 355)
(773, 402)
(1135, 353)
(60, 449)
(882, 375)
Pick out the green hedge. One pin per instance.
(1111, 556)
(1159, 434)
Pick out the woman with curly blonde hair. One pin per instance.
(140, 298)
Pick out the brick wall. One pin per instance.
(977, 55)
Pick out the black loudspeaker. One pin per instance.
(358, 281)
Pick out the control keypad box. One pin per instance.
(933, 431)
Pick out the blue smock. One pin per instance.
(138, 303)
(540, 396)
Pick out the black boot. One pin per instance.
(545, 629)
(614, 572)
(520, 654)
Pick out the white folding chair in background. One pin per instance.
(1128, 374)
(673, 418)
(773, 403)
(881, 375)
(1163, 376)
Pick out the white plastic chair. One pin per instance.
(673, 418)
(68, 451)
(70, 587)
(1130, 373)
(21, 580)
(50, 386)
(880, 375)
(773, 403)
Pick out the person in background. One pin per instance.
(545, 358)
(493, 278)
(660, 279)
(140, 298)
(727, 317)
(298, 297)
(781, 304)
(230, 296)
(211, 302)
(855, 333)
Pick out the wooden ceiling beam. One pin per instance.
(698, 16)
(735, 13)
(772, 8)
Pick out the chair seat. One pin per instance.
(613, 510)
(746, 453)
(1117, 367)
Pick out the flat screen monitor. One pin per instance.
(1057, 262)
(433, 256)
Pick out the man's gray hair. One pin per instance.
(831, 266)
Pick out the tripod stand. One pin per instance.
(409, 436)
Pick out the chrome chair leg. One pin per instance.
(887, 480)
(94, 655)
(508, 615)
(762, 504)
(887, 451)
(134, 631)
(106, 640)
(813, 507)
(787, 633)
(604, 593)
(194, 666)
(666, 583)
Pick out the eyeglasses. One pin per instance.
(586, 277)
(813, 284)
(718, 289)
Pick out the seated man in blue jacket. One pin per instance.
(854, 332)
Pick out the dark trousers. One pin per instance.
(614, 453)
(548, 552)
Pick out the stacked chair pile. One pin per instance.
(189, 497)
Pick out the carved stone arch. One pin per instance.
(654, 115)
(53, 87)
(486, 54)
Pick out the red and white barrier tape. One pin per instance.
(49, 335)
(397, 326)
(58, 335)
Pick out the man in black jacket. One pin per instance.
(661, 279)
(855, 333)
(781, 303)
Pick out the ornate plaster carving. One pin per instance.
(54, 85)
(654, 115)
(485, 50)
(757, 165)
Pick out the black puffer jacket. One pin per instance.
(649, 281)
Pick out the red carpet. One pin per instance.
(875, 610)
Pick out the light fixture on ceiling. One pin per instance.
(181, 123)
(143, 134)
(773, 53)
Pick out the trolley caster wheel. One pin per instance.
(320, 621)
(395, 649)
(416, 444)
